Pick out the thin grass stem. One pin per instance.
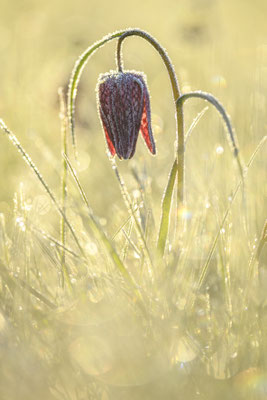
(100, 234)
(211, 99)
(56, 242)
(194, 123)
(165, 210)
(14, 283)
(64, 123)
(33, 167)
(233, 197)
(130, 208)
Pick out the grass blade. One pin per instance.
(132, 211)
(211, 99)
(167, 197)
(165, 210)
(33, 167)
(64, 123)
(13, 284)
(213, 246)
(98, 231)
(194, 123)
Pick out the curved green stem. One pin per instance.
(72, 92)
(160, 50)
(176, 94)
(166, 208)
(76, 75)
(75, 78)
(211, 99)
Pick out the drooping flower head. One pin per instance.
(124, 109)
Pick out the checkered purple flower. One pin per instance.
(124, 108)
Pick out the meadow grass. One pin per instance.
(97, 307)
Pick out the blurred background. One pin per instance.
(218, 46)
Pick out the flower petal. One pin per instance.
(124, 109)
(110, 144)
(146, 124)
(127, 100)
(105, 91)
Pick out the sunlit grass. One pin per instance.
(92, 306)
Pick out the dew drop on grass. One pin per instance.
(91, 248)
(185, 213)
(28, 205)
(21, 224)
(219, 150)
(136, 194)
(103, 221)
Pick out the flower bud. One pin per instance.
(124, 108)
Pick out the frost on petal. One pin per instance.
(137, 99)
(146, 124)
(109, 142)
(105, 90)
(124, 110)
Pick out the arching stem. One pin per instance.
(179, 106)
(75, 78)
(232, 137)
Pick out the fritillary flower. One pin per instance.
(124, 108)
